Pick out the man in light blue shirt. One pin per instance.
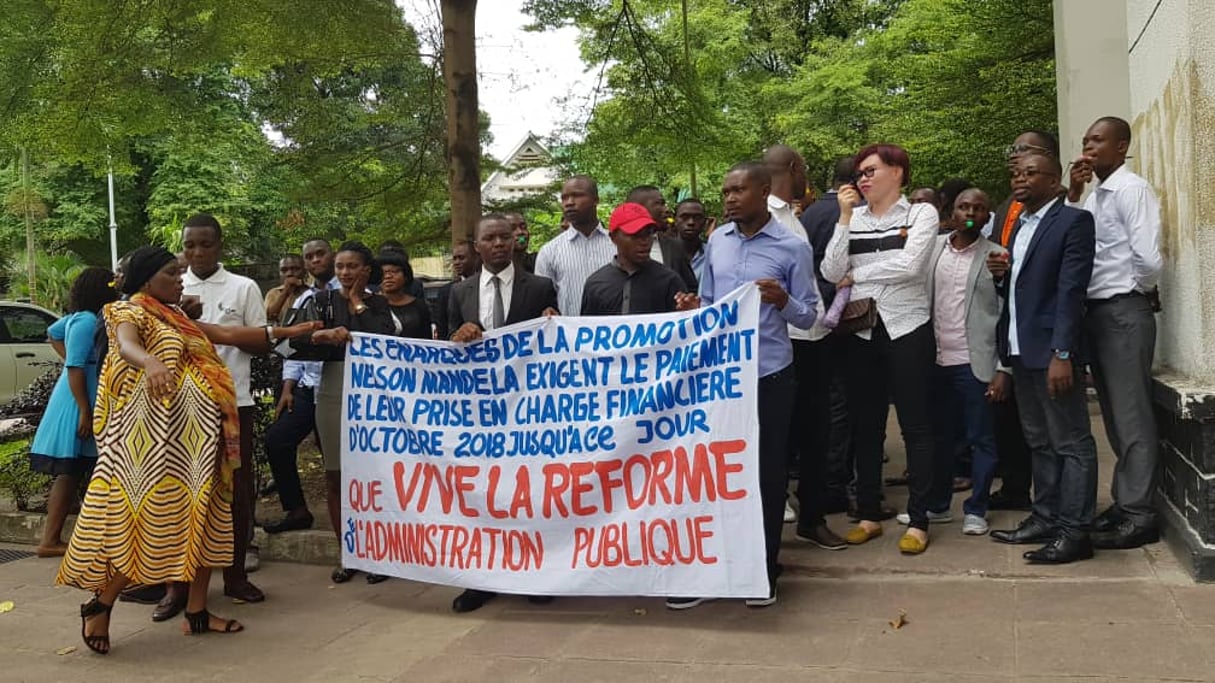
(755, 247)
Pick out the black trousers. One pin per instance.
(243, 499)
(879, 369)
(1011, 450)
(282, 445)
(776, 394)
(810, 429)
(839, 469)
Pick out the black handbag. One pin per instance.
(318, 307)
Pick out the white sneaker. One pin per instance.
(933, 517)
(790, 513)
(974, 525)
(253, 559)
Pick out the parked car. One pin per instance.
(25, 354)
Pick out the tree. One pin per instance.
(463, 135)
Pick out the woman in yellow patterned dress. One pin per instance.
(158, 507)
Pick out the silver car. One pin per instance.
(24, 350)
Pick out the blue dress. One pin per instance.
(56, 448)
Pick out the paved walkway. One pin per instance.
(974, 611)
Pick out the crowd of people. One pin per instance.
(976, 322)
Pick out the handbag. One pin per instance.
(318, 307)
(858, 315)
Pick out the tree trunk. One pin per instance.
(463, 133)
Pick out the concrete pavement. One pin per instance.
(974, 611)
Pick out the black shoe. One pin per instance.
(1062, 550)
(1108, 519)
(1031, 530)
(172, 604)
(1125, 535)
(471, 600)
(1007, 501)
(143, 595)
(886, 512)
(822, 537)
(289, 524)
(244, 592)
(269, 489)
(540, 599)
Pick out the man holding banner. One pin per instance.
(755, 247)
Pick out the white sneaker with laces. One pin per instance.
(933, 517)
(974, 525)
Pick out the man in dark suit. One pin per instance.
(499, 295)
(464, 263)
(667, 248)
(1044, 284)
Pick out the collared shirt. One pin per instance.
(952, 277)
(232, 300)
(485, 295)
(307, 373)
(652, 289)
(1023, 236)
(698, 262)
(783, 212)
(895, 276)
(732, 259)
(569, 259)
(1127, 217)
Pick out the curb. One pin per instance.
(303, 547)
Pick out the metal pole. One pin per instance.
(31, 252)
(113, 223)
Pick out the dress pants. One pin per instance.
(879, 369)
(810, 431)
(1121, 334)
(243, 498)
(282, 446)
(1062, 448)
(1014, 462)
(775, 397)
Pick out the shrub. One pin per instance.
(26, 488)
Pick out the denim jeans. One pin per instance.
(963, 417)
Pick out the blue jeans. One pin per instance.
(963, 417)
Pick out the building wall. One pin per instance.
(1171, 74)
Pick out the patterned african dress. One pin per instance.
(159, 503)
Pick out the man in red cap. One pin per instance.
(634, 282)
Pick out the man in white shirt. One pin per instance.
(1120, 326)
(229, 299)
(570, 257)
(811, 364)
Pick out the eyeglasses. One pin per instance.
(1024, 147)
(1031, 173)
(865, 172)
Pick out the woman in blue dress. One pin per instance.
(63, 447)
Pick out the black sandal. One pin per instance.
(200, 622)
(93, 608)
(342, 575)
(376, 578)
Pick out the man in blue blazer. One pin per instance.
(1044, 283)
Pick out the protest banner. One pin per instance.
(561, 456)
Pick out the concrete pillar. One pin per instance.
(1090, 67)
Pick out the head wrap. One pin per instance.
(141, 265)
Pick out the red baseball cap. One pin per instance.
(630, 218)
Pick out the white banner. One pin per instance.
(561, 456)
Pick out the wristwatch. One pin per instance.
(270, 338)
(1063, 355)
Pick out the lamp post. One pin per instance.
(113, 223)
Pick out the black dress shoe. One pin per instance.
(289, 524)
(171, 604)
(245, 592)
(1062, 550)
(822, 537)
(143, 595)
(884, 513)
(1007, 501)
(1108, 519)
(1031, 530)
(1125, 535)
(471, 600)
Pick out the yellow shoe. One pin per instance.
(860, 534)
(910, 545)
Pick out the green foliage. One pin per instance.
(54, 275)
(17, 481)
(952, 81)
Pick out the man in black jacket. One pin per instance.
(667, 249)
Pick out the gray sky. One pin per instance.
(523, 77)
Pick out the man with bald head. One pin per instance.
(1120, 326)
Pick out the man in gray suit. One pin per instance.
(966, 309)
